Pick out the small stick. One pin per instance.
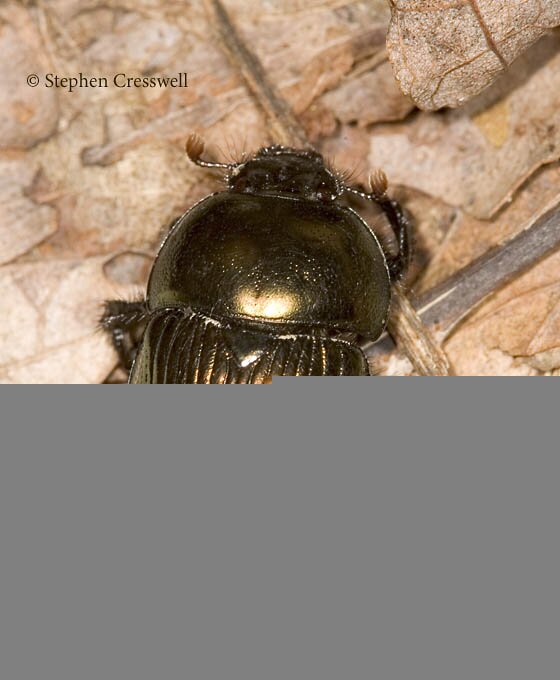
(413, 337)
(407, 329)
(285, 127)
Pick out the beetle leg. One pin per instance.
(399, 263)
(125, 323)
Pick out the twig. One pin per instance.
(443, 307)
(285, 127)
(406, 327)
(51, 17)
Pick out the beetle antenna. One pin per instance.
(195, 148)
(378, 184)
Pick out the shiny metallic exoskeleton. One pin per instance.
(273, 276)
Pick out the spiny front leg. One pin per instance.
(398, 264)
(125, 323)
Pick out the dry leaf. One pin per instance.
(49, 330)
(469, 238)
(28, 114)
(517, 331)
(25, 224)
(373, 97)
(478, 156)
(340, 57)
(332, 42)
(444, 52)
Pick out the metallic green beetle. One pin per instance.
(273, 276)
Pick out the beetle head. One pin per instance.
(283, 170)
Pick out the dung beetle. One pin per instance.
(273, 276)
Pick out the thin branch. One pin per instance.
(407, 329)
(443, 307)
(284, 124)
(413, 338)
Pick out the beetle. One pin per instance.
(275, 275)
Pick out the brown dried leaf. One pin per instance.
(340, 58)
(49, 314)
(478, 156)
(469, 238)
(446, 51)
(373, 97)
(28, 114)
(25, 224)
(517, 332)
(332, 41)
